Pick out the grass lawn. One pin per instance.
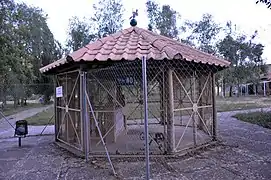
(260, 118)
(241, 103)
(42, 118)
(223, 104)
(9, 108)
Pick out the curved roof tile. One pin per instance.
(132, 44)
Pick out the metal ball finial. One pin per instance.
(133, 21)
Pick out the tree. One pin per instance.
(80, 33)
(26, 44)
(108, 17)
(163, 19)
(204, 33)
(245, 56)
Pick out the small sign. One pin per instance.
(126, 81)
(59, 92)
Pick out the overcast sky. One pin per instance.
(245, 13)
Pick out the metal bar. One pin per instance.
(137, 98)
(84, 119)
(203, 123)
(47, 124)
(190, 108)
(74, 129)
(146, 134)
(100, 133)
(110, 129)
(71, 109)
(101, 111)
(202, 90)
(106, 90)
(183, 87)
(214, 108)
(73, 146)
(73, 90)
(20, 141)
(62, 121)
(59, 74)
(55, 109)
(6, 119)
(184, 131)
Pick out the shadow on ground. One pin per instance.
(245, 154)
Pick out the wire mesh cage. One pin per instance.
(180, 106)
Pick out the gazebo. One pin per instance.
(99, 101)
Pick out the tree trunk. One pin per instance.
(46, 99)
(217, 89)
(230, 91)
(238, 90)
(224, 89)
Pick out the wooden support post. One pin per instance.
(195, 108)
(162, 98)
(85, 121)
(170, 112)
(214, 108)
(201, 110)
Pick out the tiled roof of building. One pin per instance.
(133, 43)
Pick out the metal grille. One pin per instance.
(180, 106)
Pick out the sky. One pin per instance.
(247, 15)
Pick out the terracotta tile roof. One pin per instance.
(133, 43)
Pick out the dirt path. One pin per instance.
(5, 128)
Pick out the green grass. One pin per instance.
(239, 106)
(241, 103)
(223, 105)
(42, 118)
(9, 108)
(260, 118)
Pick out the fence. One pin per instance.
(100, 111)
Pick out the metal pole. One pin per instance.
(6, 120)
(20, 141)
(56, 117)
(214, 108)
(84, 119)
(144, 77)
(100, 133)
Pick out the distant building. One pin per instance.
(263, 87)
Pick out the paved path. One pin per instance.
(5, 128)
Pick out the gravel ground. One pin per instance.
(244, 154)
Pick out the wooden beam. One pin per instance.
(170, 112)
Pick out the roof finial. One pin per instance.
(133, 21)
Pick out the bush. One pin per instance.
(260, 118)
